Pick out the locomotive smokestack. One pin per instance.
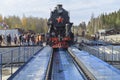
(59, 6)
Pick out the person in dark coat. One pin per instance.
(15, 39)
(28, 38)
(1, 39)
(21, 39)
(8, 40)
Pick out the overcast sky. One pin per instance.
(80, 10)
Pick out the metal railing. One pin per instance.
(105, 52)
(114, 40)
(12, 59)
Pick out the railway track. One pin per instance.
(64, 67)
(61, 64)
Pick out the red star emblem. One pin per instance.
(59, 19)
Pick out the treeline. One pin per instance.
(104, 21)
(26, 23)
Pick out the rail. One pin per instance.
(84, 71)
(12, 58)
(93, 67)
(31, 70)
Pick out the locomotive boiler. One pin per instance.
(60, 34)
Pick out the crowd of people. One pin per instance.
(22, 39)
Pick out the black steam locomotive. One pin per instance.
(60, 28)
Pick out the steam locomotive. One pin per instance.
(60, 34)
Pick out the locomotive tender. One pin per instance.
(60, 34)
